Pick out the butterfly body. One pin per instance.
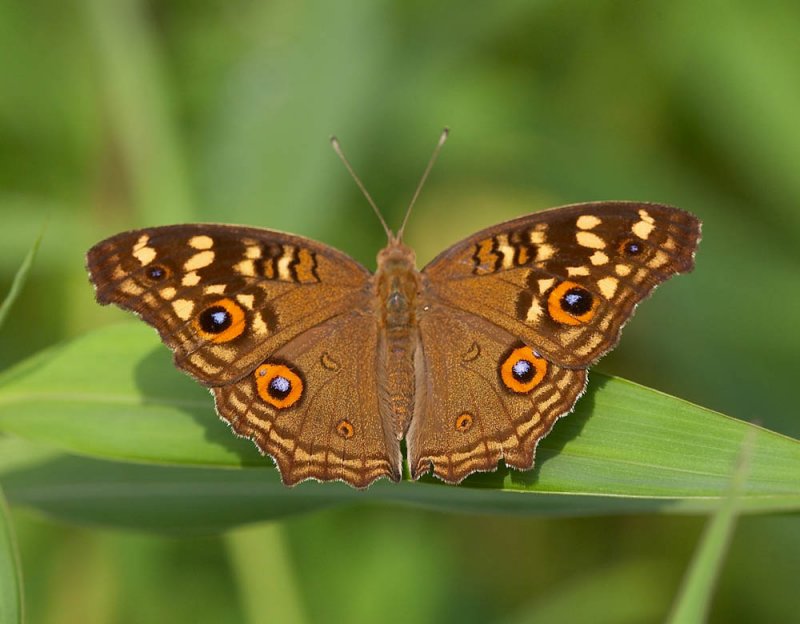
(327, 367)
(397, 292)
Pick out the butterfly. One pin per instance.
(328, 367)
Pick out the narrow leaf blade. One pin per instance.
(114, 395)
(11, 603)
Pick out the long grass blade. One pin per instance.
(20, 277)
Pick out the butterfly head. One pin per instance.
(396, 256)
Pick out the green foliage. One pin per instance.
(124, 113)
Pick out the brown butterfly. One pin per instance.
(327, 367)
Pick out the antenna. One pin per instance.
(338, 149)
(436, 150)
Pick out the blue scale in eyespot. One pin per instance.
(521, 368)
(573, 298)
(280, 384)
(219, 317)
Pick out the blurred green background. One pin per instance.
(117, 114)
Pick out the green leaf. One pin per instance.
(20, 277)
(113, 395)
(11, 605)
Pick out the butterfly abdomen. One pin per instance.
(397, 285)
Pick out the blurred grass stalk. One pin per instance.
(694, 598)
(265, 576)
(20, 277)
(11, 597)
(132, 77)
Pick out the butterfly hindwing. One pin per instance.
(313, 405)
(491, 397)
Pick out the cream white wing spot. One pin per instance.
(544, 252)
(284, 273)
(183, 308)
(245, 267)
(537, 237)
(608, 286)
(149, 300)
(545, 284)
(587, 222)
(190, 279)
(534, 311)
(622, 270)
(589, 239)
(144, 254)
(141, 242)
(199, 260)
(167, 293)
(246, 300)
(659, 260)
(253, 252)
(258, 326)
(214, 289)
(578, 270)
(506, 250)
(129, 287)
(642, 229)
(598, 258)
(201, 242)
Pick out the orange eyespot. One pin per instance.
(521, 371)
(464, 422)
(221, 321)
(345, 429)
(278, 385)
(571, 304)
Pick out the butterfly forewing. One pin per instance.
(224, 297)
(566, 280)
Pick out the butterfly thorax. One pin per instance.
(397, 285)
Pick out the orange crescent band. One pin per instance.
(464, 421)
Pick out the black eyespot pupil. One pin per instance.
(576, 301)
(523, 371)
(156, 273)
(632, 248)
(215, 319)
(280, 387)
